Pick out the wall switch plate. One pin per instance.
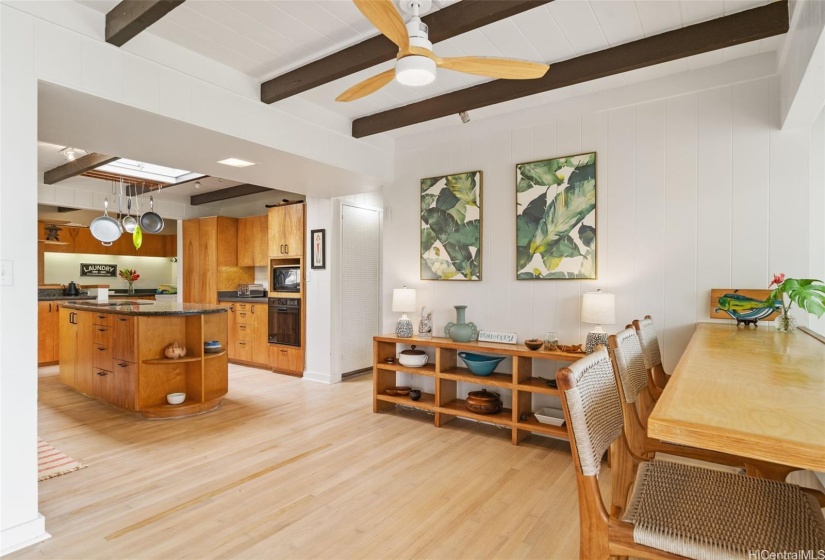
(6, 272)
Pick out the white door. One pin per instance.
(360, 288)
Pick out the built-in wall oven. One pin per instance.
(285, 321)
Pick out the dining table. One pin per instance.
(748, 391)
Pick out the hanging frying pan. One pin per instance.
(129, 221)
(151, 222)
(105, 228)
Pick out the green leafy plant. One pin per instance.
(809, 294)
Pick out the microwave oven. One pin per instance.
(286, 278)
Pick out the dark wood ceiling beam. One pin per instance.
(77, 167)
(226, 194)
(453, 20)
(743, 27)
(130, 17)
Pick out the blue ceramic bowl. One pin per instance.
(212, 343)
(480, 364)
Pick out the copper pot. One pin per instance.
(483, 402)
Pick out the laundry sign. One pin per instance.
(88, 269)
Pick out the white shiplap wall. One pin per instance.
(693, 194)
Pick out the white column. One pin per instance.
(20, 522)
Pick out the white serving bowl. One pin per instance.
(549, 415)
(175, 398)
(413, 358)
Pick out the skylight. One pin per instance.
(149, 171)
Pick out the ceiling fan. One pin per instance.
(416, 64)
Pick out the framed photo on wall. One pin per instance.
(451, 227)
(318, 258)
(556, 218)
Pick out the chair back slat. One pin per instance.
(631, 364)
(594, 409)
(650, 344)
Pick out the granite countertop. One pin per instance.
(57, 294)
(145, 308)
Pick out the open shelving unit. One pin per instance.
(445, 404)
(202, 376)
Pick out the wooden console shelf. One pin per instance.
(447, 372)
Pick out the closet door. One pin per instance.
(360, 285)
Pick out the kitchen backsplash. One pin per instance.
(62, 268)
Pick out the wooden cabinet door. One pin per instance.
(284, 358)
(123, 388)
(191, 261)
(260, 242)
(84, 242)
(68, 346)
(47, 331)
(103, 382)
(123, 338)
(170, 245)
(246, 241)
(260, 333)
(232, 334)
(152, 245)
(286, 231)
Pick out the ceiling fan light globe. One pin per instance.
(415, 70)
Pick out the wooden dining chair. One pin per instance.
(646, 331)
(676, 510)
(632, 382)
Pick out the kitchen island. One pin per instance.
(114, 352)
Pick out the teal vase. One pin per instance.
(461, 331)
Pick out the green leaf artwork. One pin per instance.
(556, 218)
(451, 227)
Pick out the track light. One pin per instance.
(197, 184)
(465, 118)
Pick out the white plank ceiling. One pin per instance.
(265, 38)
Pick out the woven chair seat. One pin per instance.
(708, 515)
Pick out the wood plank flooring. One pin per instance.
(287, 468)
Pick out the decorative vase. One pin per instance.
(131, 289)
(785, 322)
(461, 331)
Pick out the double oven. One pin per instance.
(285, 321)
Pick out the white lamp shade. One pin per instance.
(403, 300)
(598, 308)
(415, 70)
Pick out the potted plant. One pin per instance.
(809, 294)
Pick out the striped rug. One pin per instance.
(52, 463)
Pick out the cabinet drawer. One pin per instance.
(102, 335)
(101, 319)
(243, 331)
(244, 317)
(243, 350)
(102, 384)
(102, 357)
(287, 359)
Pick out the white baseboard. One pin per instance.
(23, 535)
(317, 377)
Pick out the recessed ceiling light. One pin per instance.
(235, 162)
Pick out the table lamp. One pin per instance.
(598, 308)
(403, 300)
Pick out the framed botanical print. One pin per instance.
(556, 218)
(318, 257)
(451, 227)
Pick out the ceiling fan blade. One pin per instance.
(504, 68)
(383, 15)
(368, 86)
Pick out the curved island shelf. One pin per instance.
(114, 352)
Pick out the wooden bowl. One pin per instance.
(398, 391)
(174, 351)
(534, 343)
(574, 348)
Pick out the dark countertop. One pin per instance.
(56, 294)
(236, 299)
(146, 308)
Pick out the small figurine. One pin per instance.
(425, 326)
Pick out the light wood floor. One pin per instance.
(293, 469)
